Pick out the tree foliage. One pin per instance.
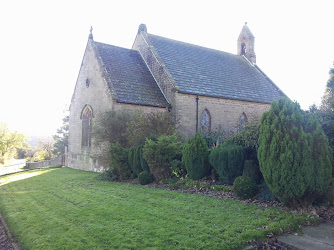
(9, 142)
(195, 157)
(61, 138)
(152, 124)
(326, 114)
(131, 129)
(293, 153)
(112, 127)
(162, 154)
(229, 161)
(119, 165)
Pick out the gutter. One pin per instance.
(197, 98)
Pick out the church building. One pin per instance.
(203, 88)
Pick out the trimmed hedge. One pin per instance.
(245, 187)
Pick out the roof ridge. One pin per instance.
(115, 46)
(195, 45)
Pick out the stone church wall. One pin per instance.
(94, 93)
(223, 112)
(98, 96)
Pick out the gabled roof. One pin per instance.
(202, 71)
(129, 76)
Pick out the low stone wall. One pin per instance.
(51, 163)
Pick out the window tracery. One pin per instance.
(86, 116)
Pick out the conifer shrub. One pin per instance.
(252, 170)
(245, 187)
(119, 162)
(134, 160)
(160, 154)
(145, 178)
(143, 163)
(195, 157)
(228, 160)
(294, 155)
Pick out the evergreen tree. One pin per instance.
(195, 157)
(289, 154)
(61, 138)
(326, 114)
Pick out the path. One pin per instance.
(316, 238)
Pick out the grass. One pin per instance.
(69, 209)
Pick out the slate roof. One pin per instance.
(129, 76)
(202, 71)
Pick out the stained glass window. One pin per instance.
(205, 121)
(87, 115)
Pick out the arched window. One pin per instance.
(86, 117)
(205, 121)
(243, 121)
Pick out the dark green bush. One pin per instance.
(134, 160)
(265, 194)
(160, 154)
(229, 161)
(245, 187)
(119, 162)
(145, 178)
(143, 162)
(252, 170)
(195, 157)
(294, 155)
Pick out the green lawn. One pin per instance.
(70, 209)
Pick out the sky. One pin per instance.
(42, 45)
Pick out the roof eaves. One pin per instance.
(144, 104)
(270, 81)
(222, 97)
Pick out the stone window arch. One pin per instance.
(243, 120)
(205, 121)
(86, 117)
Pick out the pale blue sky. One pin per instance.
(42, 45)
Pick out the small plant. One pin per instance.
(195, 157)
(228, 160)
(106, 175)
(245, 187)
(145, 178)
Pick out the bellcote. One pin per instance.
(246, 44)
